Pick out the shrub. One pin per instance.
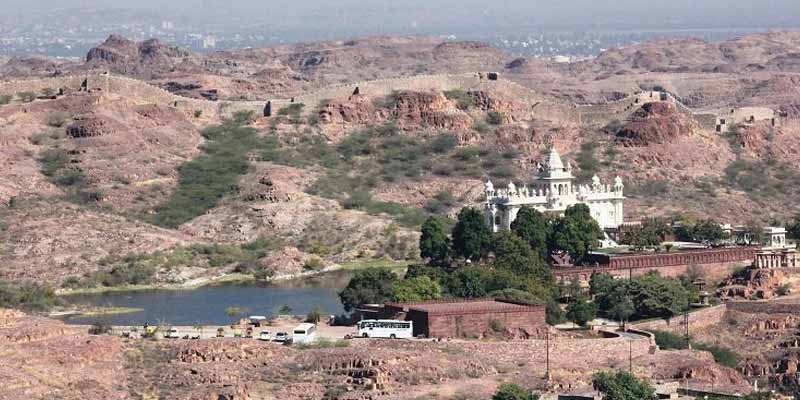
(57, 119)
(292, 110)
(722, 355)
(313, 264)
(53, 160)
(495, 118)
(5, 99)
(443, 143)
(510, 391)
(480, 127)
(497, 326)
(198, 113)
(27, 296)
(101, 326)
(26, 97)
(669, 341)
(314, 316)
(462, 99)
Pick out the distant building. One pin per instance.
(554, 191)
(745, 115)
(209, 42)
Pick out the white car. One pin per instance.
(281, 337)
(172, 334)
(265, 336)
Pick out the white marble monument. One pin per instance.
(553, 193)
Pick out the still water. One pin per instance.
(206, 305)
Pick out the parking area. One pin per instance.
(229, 331)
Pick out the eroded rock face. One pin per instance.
(91, 126)
(654, 123)
(753, 284)
(413, 109)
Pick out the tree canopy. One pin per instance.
(472, 238)
(434, 243)
(368, 286)
(532, 226)
(576, 232)
(651, 232)
(420, 288)
(581, 311)
(651, 295)
(793, 228)
(622, 385)
(510, 391)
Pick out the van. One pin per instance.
(304, 334)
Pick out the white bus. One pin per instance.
(304, 334)
(385, 328)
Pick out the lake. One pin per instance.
(206, 305)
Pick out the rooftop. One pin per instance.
(458, 306)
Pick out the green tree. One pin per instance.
(576, 232)
(369, 286)
(532, 226)
(512, 253)
(793, 228)
(420, 288)
(652, 296)
(554, 315)
(314, 316)
(510, 391)
(622, 386)
(651, 232)
(756, 232)
(433, 242)
(581, 311)
(707, 231)
(471, 236)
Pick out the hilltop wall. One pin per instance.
(541, 106)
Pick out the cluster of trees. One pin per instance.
(518, 270)
(378, 285)
(705, 231)
(647, 296)
(652, 232)
(575, 233)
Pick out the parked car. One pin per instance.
(172, 333)
(220, 332)
(281, 337)
(265, 336)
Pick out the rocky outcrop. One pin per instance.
(91, 126)
(431, 109)
(654, 123)
(753, 283)
(125, 56)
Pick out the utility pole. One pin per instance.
(630, 356)
(547, 355)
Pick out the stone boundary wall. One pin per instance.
(715, 264)
(541, 106)
(767, 307)
(698, 319)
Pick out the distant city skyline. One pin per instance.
(575, 28)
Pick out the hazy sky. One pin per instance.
(427, 14)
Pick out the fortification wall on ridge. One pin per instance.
(541, 106)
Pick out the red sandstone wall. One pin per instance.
(474, 325)
(716, 264)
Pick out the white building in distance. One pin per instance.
(553, 193)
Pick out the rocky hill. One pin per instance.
(97, 180)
